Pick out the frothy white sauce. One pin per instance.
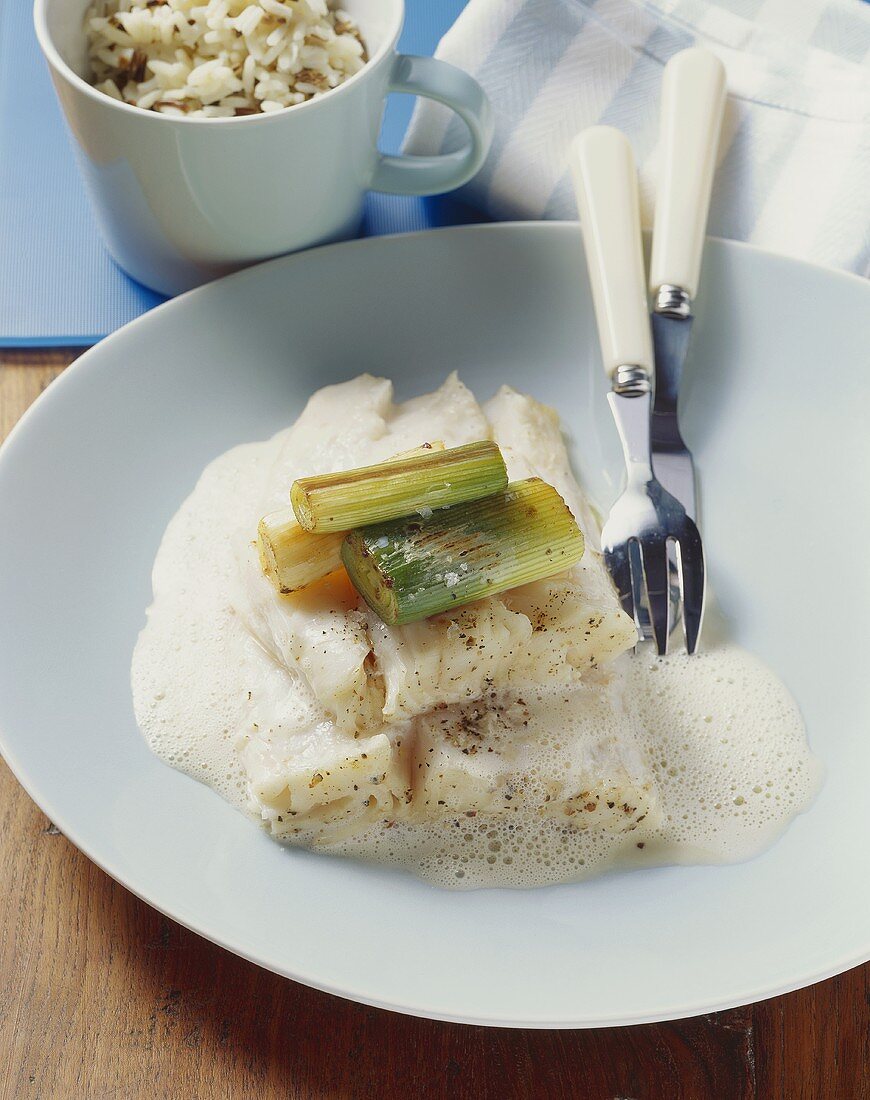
(728, 749)
(722, 736)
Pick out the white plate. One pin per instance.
(775, 410)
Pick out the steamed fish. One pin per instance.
(449, 715)
(565, 755)
(364, 673)
(306, 777)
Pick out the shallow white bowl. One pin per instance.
(775, 409)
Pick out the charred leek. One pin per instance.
(419, 566)
(400, 487)
(292, 557)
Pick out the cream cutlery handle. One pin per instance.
(605, 181)
(693, 101)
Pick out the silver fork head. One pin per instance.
(645, 521)
(635, 541)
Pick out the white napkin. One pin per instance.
(794, 161)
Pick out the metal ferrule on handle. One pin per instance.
(631, 381)
(672, 301)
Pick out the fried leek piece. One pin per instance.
(291, 557)
(419, 566)
(399, 487)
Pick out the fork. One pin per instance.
(646, 519)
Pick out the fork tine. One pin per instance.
(655, 567)
(638, 591)
(619, 565)
(690, 555)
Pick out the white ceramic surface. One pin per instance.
(775, 412)
(180, 201)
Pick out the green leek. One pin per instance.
(418, 566)
(399, 487)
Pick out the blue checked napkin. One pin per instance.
(794, 161)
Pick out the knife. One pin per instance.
(693, 102)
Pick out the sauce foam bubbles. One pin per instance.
(726, 744)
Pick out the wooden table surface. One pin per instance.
(103, 997)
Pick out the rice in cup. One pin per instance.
(220, 58)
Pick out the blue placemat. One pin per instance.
(58, 285)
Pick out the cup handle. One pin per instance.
(434, 79)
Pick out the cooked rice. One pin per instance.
(220, 58)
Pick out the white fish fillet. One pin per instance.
(323, 632)
(395, 700)
(566, 755)
(551, 631)
(307, 778)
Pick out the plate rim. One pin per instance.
(44, 802)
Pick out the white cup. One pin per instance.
(181, 201)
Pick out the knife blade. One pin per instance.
(672, 461)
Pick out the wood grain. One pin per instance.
(103, 997)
